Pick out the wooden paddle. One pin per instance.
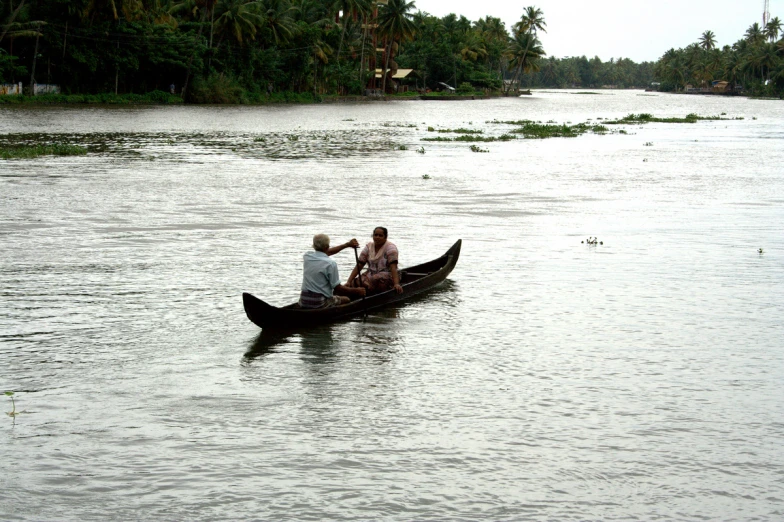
(359, 276)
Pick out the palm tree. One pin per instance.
(277, 16)
(349, 7)
(754, 34)
(395, 24)
(111, 9)
(473, 47)
(493, 32)
(524, 52)
(764, 58)
(530, 23)
(773, 29)
(240, 19)
(733, 67)
(708, 40)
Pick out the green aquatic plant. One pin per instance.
(425, 176)
(25, 151)
(643, 118)
(402, 147)
(260, 139)
(760, 251)
(477, 148)
(430, 129)
(421, 150)
(515, 122)
(12, 413)
(541, 131)
(473, 138)
(461, 131)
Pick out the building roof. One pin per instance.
(399, 75)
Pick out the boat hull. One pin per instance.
(416, 280)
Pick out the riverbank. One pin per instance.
(285, 97)
(151, 98)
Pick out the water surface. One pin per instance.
(545, 380)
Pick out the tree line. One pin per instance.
(249, 50)
(755, 63)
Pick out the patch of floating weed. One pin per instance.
(406, 125)
(473, 138)
(643, 118)
(477, 148)
(589, 92)
(402, 147)
(34, 151)
(542, 131)
(515, 122)
(460, 131)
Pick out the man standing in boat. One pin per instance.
(321, 286)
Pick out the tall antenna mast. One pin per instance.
(765, 13)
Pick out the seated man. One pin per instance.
(321, 286)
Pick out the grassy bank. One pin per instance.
(151, 98)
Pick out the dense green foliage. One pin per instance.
(259, 51)
(755, 63)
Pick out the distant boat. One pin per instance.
(414, 280)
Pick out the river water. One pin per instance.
(546, 379)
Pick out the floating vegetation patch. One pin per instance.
(459, 131)
(474, 138)
(477, 148)
(589, 92)
(27, 151)
(650, 118)
(515, 122)
(547, 130)
(404, 125)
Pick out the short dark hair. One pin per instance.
(384, 230)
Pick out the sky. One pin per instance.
(642, 30)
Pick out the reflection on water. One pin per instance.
(545, 380)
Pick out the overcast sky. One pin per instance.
(638, 29)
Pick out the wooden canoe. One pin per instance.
(414, 280)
